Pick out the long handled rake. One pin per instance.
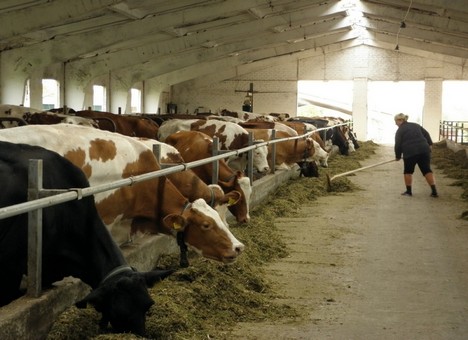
(330, 179)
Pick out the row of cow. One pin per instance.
(185, 205)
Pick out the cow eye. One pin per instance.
(206, 226)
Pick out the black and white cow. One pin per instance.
(75, 243)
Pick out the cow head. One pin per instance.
(205, 232)
(260, 158)
(123, 299)
(320, 154)
(221, 201)
(339, 140)
(241, 184)
(308, 169)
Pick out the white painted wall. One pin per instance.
(278, 89)
(274, 79)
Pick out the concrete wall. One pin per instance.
(277, 85)
(275, 82)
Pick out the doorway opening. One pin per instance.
(387, 98)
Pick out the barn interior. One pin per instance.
(337, 57)
(191, 56)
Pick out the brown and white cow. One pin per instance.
(133, 126)
(231, 137)
(195, 145)
(291, 151)
(153, 206)
(245, 116)
(21, 115)
(48, 118)
(190, 185)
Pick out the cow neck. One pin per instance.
(117, 270)
(180, 237)
(229, 179)
(104, 256)
(306, 151)
(212, 197)
(170, 198)
(186, 206)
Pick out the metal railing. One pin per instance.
(39, 198)
(456, 131)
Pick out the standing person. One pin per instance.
(415, 143)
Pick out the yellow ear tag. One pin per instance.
(176, 226)
(231, 201)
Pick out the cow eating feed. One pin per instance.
(75, 242)
(150, 207)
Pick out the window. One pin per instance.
(50, 94)
(454, 103)
(135, 100)
(99, 98)
(325, 98)
(386, 99)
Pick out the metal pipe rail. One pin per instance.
(454, 131)
(78, 193)
(39, 198)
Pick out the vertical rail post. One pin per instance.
(215, 175)
(157, 153)
(273, 151)
(250, 156)
(34, 285)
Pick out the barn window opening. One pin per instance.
(333, 98)
(387, 98)
(99, 98)
(454, 103)
(50, 94)
(135, 100)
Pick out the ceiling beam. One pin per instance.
(237, 32)
(436, 6)
(440, 23)
(225, 72)
(158, 63)
(71, 47)
(416, 34)
(410, 46)
(206, 67)
(47, 14)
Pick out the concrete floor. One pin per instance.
(373, 264)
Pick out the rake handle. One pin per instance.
(363, 168)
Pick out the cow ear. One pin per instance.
(156, 275)
(174, 222)
(232, 197)
(95, 298)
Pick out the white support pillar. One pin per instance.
(12, 80)
(151, 96)
(432, 111)
(74, 96)
(36, 90)
(120, 95)
(360, 108)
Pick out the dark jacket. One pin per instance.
(411, 139)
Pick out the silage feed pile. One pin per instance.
(204, 300)
(453, 165)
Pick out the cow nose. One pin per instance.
(266, 169)
(239, 248)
